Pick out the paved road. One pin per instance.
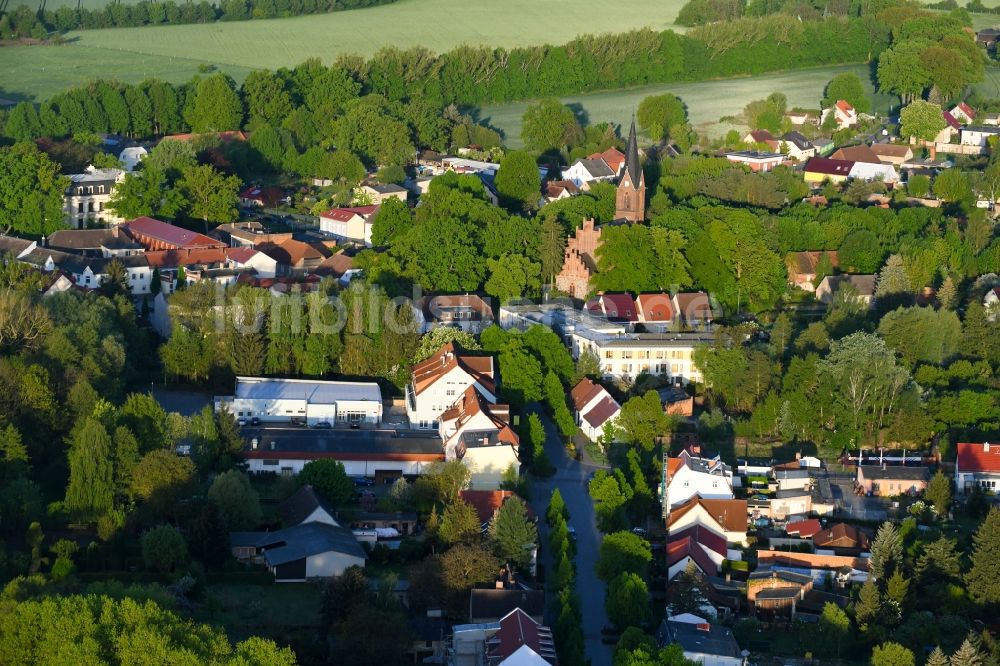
(571, 479)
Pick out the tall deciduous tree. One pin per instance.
(518, 181)
(549, 124)
(329, 478)
(938, 493)
(658, 113)
(921, 120)
(236, 500)
(622, 552)
(91, 477)
(211, 196)
(891, 654)
(31, 191)
(847, 86)
(627, 600)
(216, 106)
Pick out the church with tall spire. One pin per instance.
(630, 200)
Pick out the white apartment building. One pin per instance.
(627, 355)
(86, 199)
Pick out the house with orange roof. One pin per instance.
(488, 502)
(440, 380)
(655, 311)
(594, 408)
(725, 517)
(478, 433)
(845, 114)
(294, 257)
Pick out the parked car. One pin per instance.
(255, 421)
(322, 425)
(355, 422)
(363, 481)
(241, 422)
(572, 533)
(638, 531)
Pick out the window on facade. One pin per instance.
(609, 354)
(100, 189)
(90, 189)
(272, 463)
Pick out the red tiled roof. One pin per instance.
(828, 166)
(841, 535)
(516, 629)
(693, 305)
(978, 457)
(613, 306)
(486, 502)
(804, 528)
(266, 195)
(185, 257)
(966, 109)
(654, 307)
(345, 214)
(688, 546)
(844, 106)
(584, 392)
(761, 136)
(601, 412)
(168, 233)
(613, 157)
(951, 120)
(241, 255)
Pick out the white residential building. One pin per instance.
(86, 198)
(627, 355)
(594, 408)
(479, 434)
(687, 476)
(353, 224)
(306, 401)
(725, 517)
(978, 135)
(247, 258)
(439, 381)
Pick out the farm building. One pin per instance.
(306, 401)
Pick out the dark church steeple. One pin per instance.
(630, 201)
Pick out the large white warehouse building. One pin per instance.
(303, 401)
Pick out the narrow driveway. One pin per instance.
(571, 480)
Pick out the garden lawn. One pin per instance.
(707, 101)
(174, 52)
(275, 604)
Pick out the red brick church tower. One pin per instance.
(630, 200)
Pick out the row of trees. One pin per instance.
(22, 21)
(568, 628)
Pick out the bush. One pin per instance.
(329, 478)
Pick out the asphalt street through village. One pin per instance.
(571, 479)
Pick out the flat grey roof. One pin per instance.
(362, 443)
(315, 392)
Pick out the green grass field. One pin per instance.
(174, 52)
(706, 101)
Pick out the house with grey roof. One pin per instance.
(708, 644)
(304, 552)
(585, 171)
(864, 285)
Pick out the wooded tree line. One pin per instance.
(23, 21)
(469, 75)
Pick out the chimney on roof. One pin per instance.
(703, 626)
(986, 447)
